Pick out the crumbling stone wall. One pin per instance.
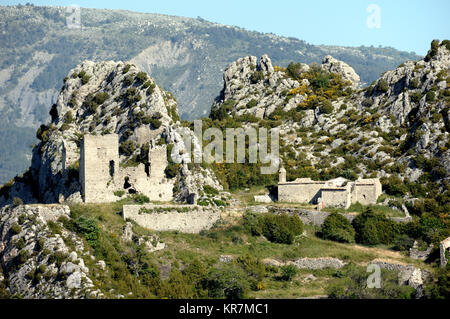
(101, 176)
(183, 218)
(443, 248)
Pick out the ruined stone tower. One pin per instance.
(99, 163)
(103, 180)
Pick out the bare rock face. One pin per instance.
(333, 65)
(36, 261)
(255, 87)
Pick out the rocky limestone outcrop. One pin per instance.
(333, 65)
(407, 274)
(256, 87)
(399, 125)
(35, 259)
(98, 98)
(152, 243)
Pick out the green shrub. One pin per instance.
(126, 68)
(127, 147)
(351, 283)
(101, 97)
(119, 193)
(15, 229)
(321, 81)
(415, 83)
(17, 201)
(252, 266)
(89, 229)
(155, 123)
(431, 96)
(439, 288)
(294, 70)
(257, 76)
(58, 258)
(20, 243)
(326, 107)
(43, 133)
(171, 170)
(279, 228)
(54, 227)
(68, 117)
(252, 103)
(141, 77)
(23, 256)
(336, 227)
(433, 50)
(219, 202)
(403, 242)
(374, 229)
(151, 87)
(210, 190)
(227, 281)
(415, 97)
(251, 223)
(288, 272)
(84, 77)
(382, 86)
(129, 79)
(393, 185)
(140, 199)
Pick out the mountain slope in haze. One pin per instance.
(186, 56)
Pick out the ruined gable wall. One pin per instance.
(96, 155)
(365, 194)
(299, 192)
(336, 197)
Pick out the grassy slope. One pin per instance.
(226, 239)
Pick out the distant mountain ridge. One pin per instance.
(186, 56)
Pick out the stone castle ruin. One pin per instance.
(338, 192)
(102, 179)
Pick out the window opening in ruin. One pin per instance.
(364, 196)
(147, 169)
(111, 168)
(127, 184)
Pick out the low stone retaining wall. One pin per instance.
(407, 274)
(311, 217)
(318, 263)
(183, 218)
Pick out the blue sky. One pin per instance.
(408, 25)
